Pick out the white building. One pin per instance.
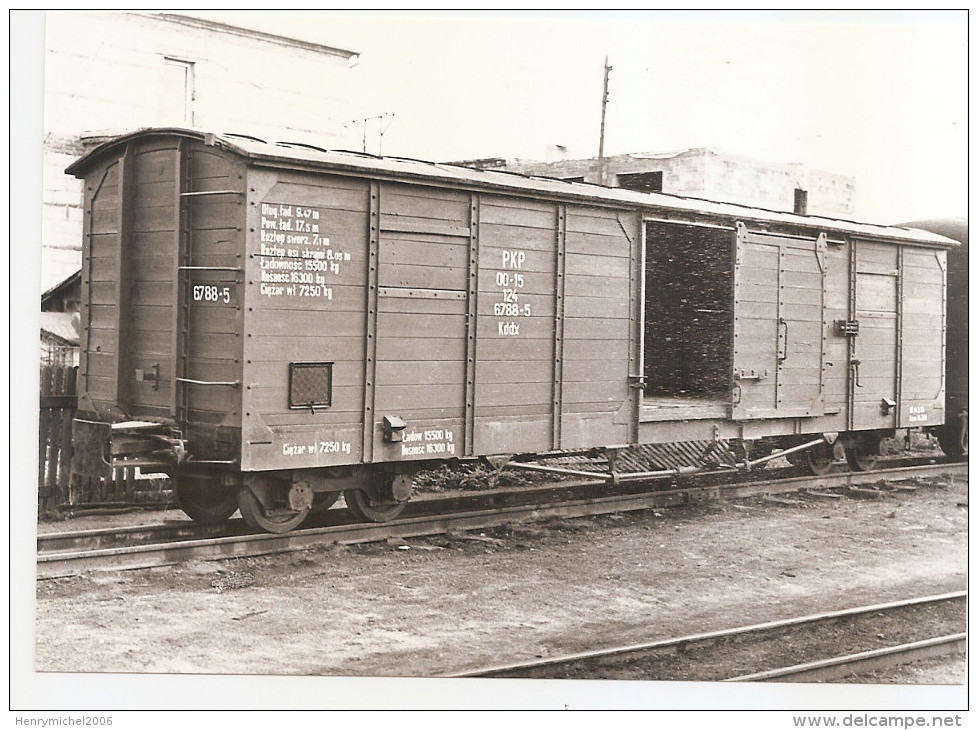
(704, 173)
(108, 73)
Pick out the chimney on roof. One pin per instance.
(801, 201)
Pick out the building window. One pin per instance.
(176, 96)
(643, 182)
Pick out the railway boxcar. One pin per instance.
(274, 324)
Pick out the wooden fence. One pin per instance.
(58, 403)
(57, 488)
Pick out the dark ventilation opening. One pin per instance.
(688, 311)
(643, 182)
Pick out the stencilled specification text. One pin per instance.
(295, 259)
(317, 447)
(430, 442)
(509, 282)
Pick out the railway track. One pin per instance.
(722, 655)
(64, 554)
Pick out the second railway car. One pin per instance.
(274, 324)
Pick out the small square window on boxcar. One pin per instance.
(310, 384)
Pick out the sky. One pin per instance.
(878, 95)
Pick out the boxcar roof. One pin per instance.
(294, 155)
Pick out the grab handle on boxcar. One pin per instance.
(782, 340)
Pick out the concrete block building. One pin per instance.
(112, 72)
(703, 173)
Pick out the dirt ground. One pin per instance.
(440, 605)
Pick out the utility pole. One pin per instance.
(604, 107)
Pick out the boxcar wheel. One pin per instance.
(819, 459)
(321, 502)
(203, 503)
(953, 437)
(361, 507)
(257, 517)
(797, 458)
(864, 454)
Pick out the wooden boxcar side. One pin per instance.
(898, 353)
(923, 330)
(447, 323)
(954, 433)
(306, 258)
(602, 308)
(514, 371)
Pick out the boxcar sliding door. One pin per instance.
(779, 310)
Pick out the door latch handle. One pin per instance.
(744, 374)
(855, 366)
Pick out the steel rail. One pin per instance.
(57, 564)
(186, 529)
(76, 540)
(840, 667)
(541, 668)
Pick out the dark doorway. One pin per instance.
(688, 311)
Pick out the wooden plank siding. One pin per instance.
(100, 274)
(151, 237)
(210, 350)
(876, 346)
(836, 303)
(599, 292)
(289, 328)
(781, 326)
(801, 312)
(423, 273)
(756, 331)
(923, 320)
(515, 334)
